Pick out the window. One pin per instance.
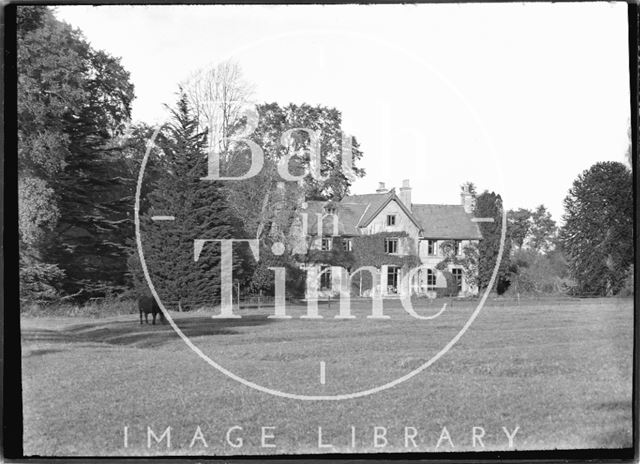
(325, 279)
(431, 279)
(457, 275)
(393, 276)
(347, 244)
(391, 219)
(431, 247)
(326, 244)
(391, 245)
(458, 247)
(331, 210)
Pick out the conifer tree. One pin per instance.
(200, 210)
(597, 236)
(74, 209)
(489, 204)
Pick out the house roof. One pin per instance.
(371, 203)
(378, 203)
(348, 217)
(446, 222)
(357, 211)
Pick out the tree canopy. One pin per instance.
(489, 205)
(597, 236)
(200, 211)
(73, 101)
(534, 230)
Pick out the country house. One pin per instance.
(402, 235)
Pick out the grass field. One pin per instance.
(561, 371)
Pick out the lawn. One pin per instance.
(558, 371)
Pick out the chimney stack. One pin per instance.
(468, 198)
(381, 188)
(405, 193)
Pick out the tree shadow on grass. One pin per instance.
(42, 352)
(132, 333)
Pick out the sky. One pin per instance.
(517, 98)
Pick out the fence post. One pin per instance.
(238, 293)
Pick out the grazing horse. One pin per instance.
(148, 304)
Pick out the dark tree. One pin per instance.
(72, 102)
(200, 210)
(489, 205)
(519, 223)
(597, 236)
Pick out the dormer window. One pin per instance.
(391, 219)
(431, 247)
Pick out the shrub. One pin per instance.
(534, 273)
(105, 307)
(451, 289)
(627, 288)
(38, 280)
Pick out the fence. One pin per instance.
(265, 301)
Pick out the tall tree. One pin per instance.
(489, 205)
(72, 101)
(542, 231)
(597, 236)
(217, 96)
(267, 206)
(519, 223)
(42, 142)
(260, 197)
(200, 212)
